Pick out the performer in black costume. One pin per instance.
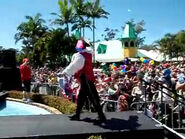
(81, 68)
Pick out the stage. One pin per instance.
(130, 124)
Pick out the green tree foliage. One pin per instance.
(148, 47)
(79, 6)
(109, 34)
(56, 47)
(82, 21)
(168, 45)
(29, 32)
(172, 45)
(95, 10)
(19, 57)
(81, 24)
(180, 41)
(67, 15)
(43, 46)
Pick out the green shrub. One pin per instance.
(63, 105)
(16, 94)
(95, 137)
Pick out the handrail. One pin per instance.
(169, 129)
(169, 89)
(172, 116)
(108, 100)
(35, 83)
(175, 108)
(164, 116)
(180, 99)
(142, 102)
(160, 89)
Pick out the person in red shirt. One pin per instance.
(25, 71)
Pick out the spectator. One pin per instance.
(25, 71)
(122, 103)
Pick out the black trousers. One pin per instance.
(88, 89)
(26, 85)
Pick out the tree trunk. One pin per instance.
(80, 32)
(94, 40)
(67, 29)
(83, 32)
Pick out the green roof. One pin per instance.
(129, 32)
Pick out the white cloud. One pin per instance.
(129, 10)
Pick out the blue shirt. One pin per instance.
(167, 73)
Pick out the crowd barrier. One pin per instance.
(45, 88)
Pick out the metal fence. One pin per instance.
(45, 88)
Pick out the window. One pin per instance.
(126, 44)
(132, 44)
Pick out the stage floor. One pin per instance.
(119, 124)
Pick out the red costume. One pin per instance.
(87, 69)
(25, 72)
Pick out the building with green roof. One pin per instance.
(129, 41)
(117, 50)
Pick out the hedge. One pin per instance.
(94, 137)
(63, 105)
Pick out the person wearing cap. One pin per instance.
(167, 74)
(25, 71)
(82, 69)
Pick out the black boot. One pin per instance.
(102, 118)
(75, 117)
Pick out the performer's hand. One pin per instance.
(65, 76)
(62, 75)
(59, 74)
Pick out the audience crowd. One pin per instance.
(123, 83)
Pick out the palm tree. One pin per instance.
(81, 21)
(31, 30)
(79, 6)
(172, 45)
(94, 10)
(29, 33)
(55, 46)
(168, 45)
(180, 42)
(66, 15)
(81, 24)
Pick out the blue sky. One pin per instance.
(161, 17)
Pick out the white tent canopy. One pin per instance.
(156, 55)
(152, 54)
(113, 52)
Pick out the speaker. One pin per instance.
(3, 96)
(1, 58)
(10, 79)
(8, 58)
